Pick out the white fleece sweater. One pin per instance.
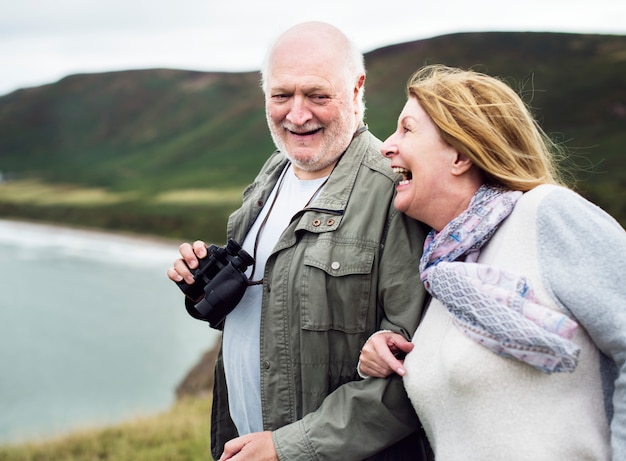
(476, 405)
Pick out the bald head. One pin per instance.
(316, 44)
(313, 83)
(313, 37)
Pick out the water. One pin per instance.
(91, 330)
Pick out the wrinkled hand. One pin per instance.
(190, 254)
(379, 356)
(258, 446)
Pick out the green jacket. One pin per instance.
(345, 267)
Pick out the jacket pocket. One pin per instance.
(336, 285)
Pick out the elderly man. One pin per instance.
(334, 262)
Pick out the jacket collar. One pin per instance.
(335, 194)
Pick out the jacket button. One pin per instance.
(335, 265)
(330, 222)
(259, 203)
(266, 364)
(317, 223)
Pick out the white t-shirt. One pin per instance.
(241, 334)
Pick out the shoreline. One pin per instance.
(128, 237)
(133, 331)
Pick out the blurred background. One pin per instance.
(42, 41)
(90, 332)
(128, 127)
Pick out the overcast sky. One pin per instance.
(42, 41)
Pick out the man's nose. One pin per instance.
(299, 113)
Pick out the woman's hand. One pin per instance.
(383, 354)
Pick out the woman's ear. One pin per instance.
(461, 165)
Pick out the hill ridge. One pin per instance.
(158, 130)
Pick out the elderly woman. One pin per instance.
(521, 354)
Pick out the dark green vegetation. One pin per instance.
(138, 134)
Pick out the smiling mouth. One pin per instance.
(407, 176)
(305, 133)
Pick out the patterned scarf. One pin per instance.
(493, 307)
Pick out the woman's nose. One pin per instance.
(389, 148)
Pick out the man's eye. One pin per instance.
(319, 98)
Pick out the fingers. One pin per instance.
(371, 361)
(257, 446)
(380, 362)
(379, 355)
(390, 361)
(400, 344)
(174, 275)
(231, 448)
(190, 253)
(199, 248)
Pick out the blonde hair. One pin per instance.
(483, 118)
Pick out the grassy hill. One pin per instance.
(179, 434)
(168, 152)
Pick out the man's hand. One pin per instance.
(189, 260)
(258, 446)
(379, 356)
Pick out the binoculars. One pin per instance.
(220, 283)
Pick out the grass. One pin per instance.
(37, 192)
(179, 434)
(185, 214)
(200, 196)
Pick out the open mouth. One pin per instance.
(407, 176)
(305, 133)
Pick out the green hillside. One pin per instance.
(167, 152)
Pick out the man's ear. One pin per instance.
(357, 88)
(359, 83)
(461, 165)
